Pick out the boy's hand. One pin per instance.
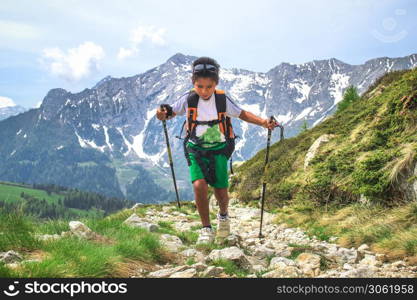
(161, 114)
(269, 124)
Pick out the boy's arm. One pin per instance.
(251, 118)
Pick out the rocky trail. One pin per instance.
(282, 253)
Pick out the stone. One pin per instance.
(370, 260)
(359, 272)
(283, 272)
(342, 255)
(212, 271)
(232, 240)
(192, 253)
(171, 242)
(199, 267)
(79, 229)
(10, 257)
(312, 151)
(263, 251)
(232, 253)
(309, 263)
(165, 273)
(279, 262)
(189, 273)
(135, 221)
(398, 264)
(363, 247)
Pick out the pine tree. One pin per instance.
(350, 96)
(304, 126)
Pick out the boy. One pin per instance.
(210, 137)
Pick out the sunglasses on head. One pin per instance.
(205, 68)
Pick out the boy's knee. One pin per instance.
(200, 183)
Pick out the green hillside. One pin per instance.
(51, 201)
(359, 185)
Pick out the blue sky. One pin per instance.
(73, 44)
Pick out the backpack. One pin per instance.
(225, 126)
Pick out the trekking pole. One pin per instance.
(265, 166)
(170, 158)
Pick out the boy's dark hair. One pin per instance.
(209, 61)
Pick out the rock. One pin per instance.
(232, 253)
(165, 273)
(309, 263)
(189, 273)
(10, 257)
(232, 240)
(315, 147)
(363, 247)
(192, 253)
(78, 229)
(359, 272)
(283, 272)
(257, 264)
(342, 255)
(199, 267)
(370, 260)
(258, 268)
(135, 221)
(398, 264)
(263, 251)
(212, 271)
(171, 242)
(279, 262)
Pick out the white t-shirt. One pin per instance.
(206, 111)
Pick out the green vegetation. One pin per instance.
(52, 201)
(365, 168)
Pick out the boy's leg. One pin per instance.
(222, 197)
(200, 193)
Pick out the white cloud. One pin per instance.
(76, 63)
(138, 36)
(38, 104)
(6, 102)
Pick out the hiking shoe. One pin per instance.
(223, 226)
(206, 235)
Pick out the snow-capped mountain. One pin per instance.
(8, 108)
(106, 139)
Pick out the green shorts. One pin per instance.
(222, 177)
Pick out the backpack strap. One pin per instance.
(192, 102)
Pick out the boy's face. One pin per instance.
(204, 87)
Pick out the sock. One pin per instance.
(208, 226)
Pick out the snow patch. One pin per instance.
(95, 126)
(338, 83)
(106, 135)
(20, 130)
(84, 143)
(302, 88)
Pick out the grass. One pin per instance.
(74, 257)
